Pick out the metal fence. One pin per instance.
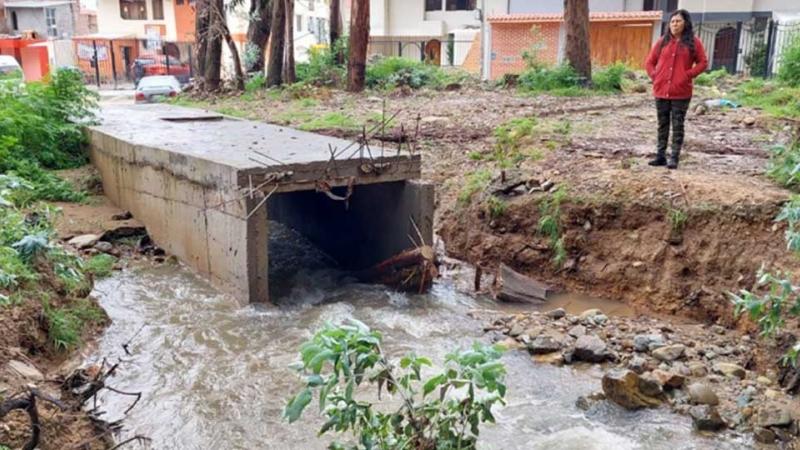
(755, 47)
(121, 63)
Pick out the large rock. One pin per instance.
(647, 342)
(698, 369)
(773, 415)
(624, 387)
(590, 348)
(706, 418)
(730, 370)
(84, 241)
(577, 331)
(544, 344)
(25, 370)
(590, 313)
(556, 313)
(701, 394)
(669, 352)
(638, 364)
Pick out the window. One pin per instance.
(299, 25)
(158, 9)
(310, 25)
(133, 9)
(50, 19)
(460, 5)
(14, 22)
(311, 5)
(433, 5)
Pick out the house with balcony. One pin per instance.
(43, 19)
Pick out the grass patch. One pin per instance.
(66, 324)
(710, 78)
(233, 112)
(774, 98)
(391, 72)
(496, 207)
(329, 121)
(677, 219)
(100, 266)
(475, 182)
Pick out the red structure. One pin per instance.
(31, 55)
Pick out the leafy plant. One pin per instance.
(515, 141)
(756, 59)
(496, 206)
(789, 69)
(443, 411)
(256, 82)
(322, 68)
(391, 72)
(543, 78)
(31, 246)
(65, 324)
(784, 165)
(770, 309)
(677, 219)
(550, 224)
(790, 213)
(609, 79)
(100, 266)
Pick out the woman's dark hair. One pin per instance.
(687, 38)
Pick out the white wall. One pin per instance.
(557, 6)
(700, 6)
(109, 20)
(776, 5)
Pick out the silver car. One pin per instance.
(157, 88)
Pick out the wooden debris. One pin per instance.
(514, 287)
(412, 270)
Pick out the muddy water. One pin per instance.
(214, 375)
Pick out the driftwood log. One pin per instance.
(511, 286)
(412, 270)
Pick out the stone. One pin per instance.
(638, 364)
(590, 348)
(622, 386)
(749, 121)
(771, 394)
(510, 343)
(669, 380)
(577, 331)
(84, 241)
(25, 370)
(763, 380)
(697, 369)
(649, 385)
(706, 418)
(730, 370)
(534, 331)
(647, 342)
(600, 319)
(773, 415)
(556, 313)
(585, 402)
(702, 394)
(122, 216)
(544, 344)
(549, 358)
(516, 330)
(669, 352)
(103, 246)
(589, 313)
(764, 436)
(718, 329)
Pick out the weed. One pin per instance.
(330, 121)
(542, 78)
(100, 266)
(710, 78)
(391, 72)
(550, 223)
(677, 219)
(784, 165)
(475, 182)
(776, 99)
(609, 79)
(514, 142)
(233, 112)
(789, 71)
(496, 206)
(65, 324)
(255, 83)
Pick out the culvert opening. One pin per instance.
(373, 225)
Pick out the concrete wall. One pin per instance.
(700, 6)
(109, 20)
(557, 6)
(34, 19)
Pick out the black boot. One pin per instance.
(663, 110)
(674, 158)
(659, 160)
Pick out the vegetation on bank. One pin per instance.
(40, 130)
(442, 411)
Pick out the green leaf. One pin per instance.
(296, 405)
(433, 383)
(315, 365)
(314, 380)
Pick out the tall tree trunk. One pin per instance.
(576, 17)
(237, 62)
(289, 75)
(201, 33)
(336, 29)
(277, 35)
(213, 63)
(258, 32)
(359, 39)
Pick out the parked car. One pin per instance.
(11, 75)
(156, 88)
(160, 65)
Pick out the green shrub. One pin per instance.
(776, 99)
(443, 411)
(515, 141)
(392, 71)
(543, 78)
(475, 182)
(550, 224)
(709, 78)
(255, 83)
(756, 60)
(784, 165)
(609, 79)
(65, 324)
(321, 68)
(789, 70)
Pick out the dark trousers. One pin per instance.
(671, 111)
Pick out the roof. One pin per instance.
(626, 16)
(35, 3)
(106, 36)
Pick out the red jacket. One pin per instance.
(672, 68)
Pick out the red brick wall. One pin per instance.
(509, 40)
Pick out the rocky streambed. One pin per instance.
(705, 372)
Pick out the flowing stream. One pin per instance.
(214, 374)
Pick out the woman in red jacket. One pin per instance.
(675, 60)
